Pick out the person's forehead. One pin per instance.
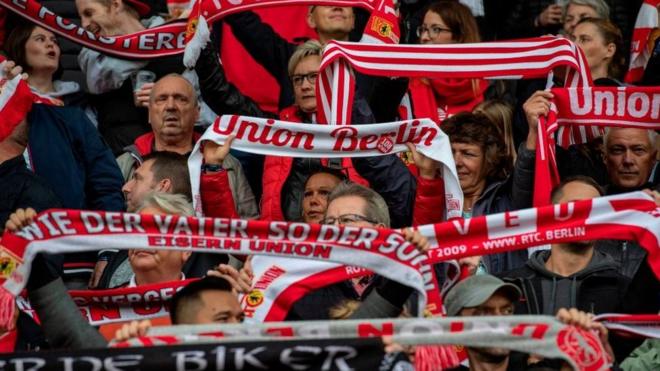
(575, 191)
(310, 63)
(347, 205)
(322, 179)
(172, 85)
(497, 299)
(219, 300)
(578, 9)
(628, 136)
(145, 168)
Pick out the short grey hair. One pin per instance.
(309, 48)
(195, 97)
(600, 6)
(376, 209)
(651, 133)
(170, 203)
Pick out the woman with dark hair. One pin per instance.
(602, 44)
(489, 184)
(446, 22)
(37, 51)
(63, 145)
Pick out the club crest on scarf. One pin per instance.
(582, 347)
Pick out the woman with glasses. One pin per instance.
(447, 22)
(284, 178)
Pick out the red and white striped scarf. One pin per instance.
(531, 58)
(596, 107)
(631, 216)
(647, 20)
(15, 102)
(167, 39)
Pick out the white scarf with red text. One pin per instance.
(280, 282)
(632, 216)
(281, 138)
(541, 335)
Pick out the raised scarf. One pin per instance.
(542, 335)
(632, 216)
(170, 38)
(280, 138)
(572, 108)
(647, 20)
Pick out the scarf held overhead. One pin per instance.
(381, 250)
(571, 108)
(280, 138)
(530, 58)
(541, 335)
(164, 40)
(631, 216)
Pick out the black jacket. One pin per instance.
(85, 175)
(22, 189)
(599, 288)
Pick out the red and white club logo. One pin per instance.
(583, 348)
(385, 144)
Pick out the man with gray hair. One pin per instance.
(630, 159)
(351, 204)
(173, 110)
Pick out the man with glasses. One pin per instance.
(354, 205)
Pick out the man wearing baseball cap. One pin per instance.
(486, 295)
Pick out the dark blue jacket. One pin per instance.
(67, 151)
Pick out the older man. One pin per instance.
(120, 119)
(173, 110)
(630, 157)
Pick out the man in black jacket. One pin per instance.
(575, 275)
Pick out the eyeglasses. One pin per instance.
(433, 30)
(347, 219)
(299, 79)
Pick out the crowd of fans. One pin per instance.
(115, 145)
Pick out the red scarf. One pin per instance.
(441, 98)
(630, 107)
(647, 20)
(167, 39)
(530, 58)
